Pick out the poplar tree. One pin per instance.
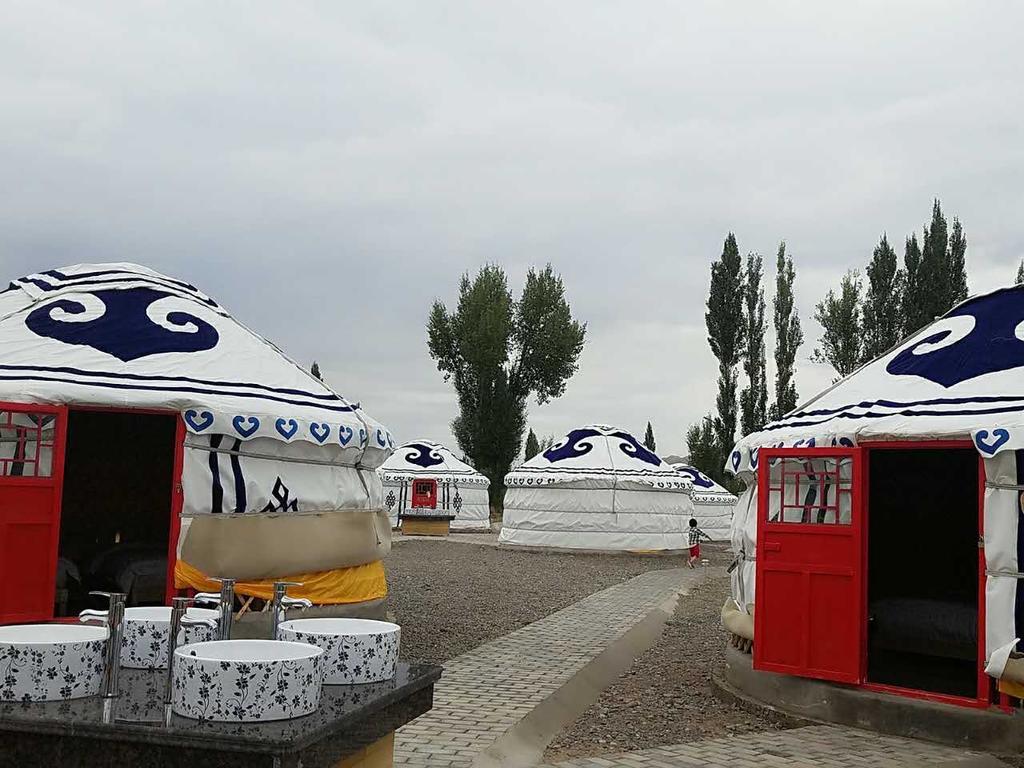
(1020, 273)
(315, 370)
(724, 320)
(704, 453)
(957, 267)
(883, 302)
(754, 397)
(532, 446)
(914, 304)
(788, 335)
(649, 439)
(839, 317)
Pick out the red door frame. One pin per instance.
(983, 696)
(854, 532)
(56, 481)
(57, 476)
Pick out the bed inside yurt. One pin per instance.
(460, 489)
(597, 489)
(879, 541)
(149, 441)
(712, 504)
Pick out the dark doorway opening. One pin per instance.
(115, 508)
(923, 569)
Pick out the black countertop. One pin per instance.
(136, 731)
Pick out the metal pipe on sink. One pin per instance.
(113, 618)
(281, 603)
(225, 602)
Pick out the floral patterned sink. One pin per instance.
(242, 681)
(51, 662)
(355, 650)
(144, 643)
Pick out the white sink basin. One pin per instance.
(144, 645)
(51, 662)
(355, 650)
(242, 681)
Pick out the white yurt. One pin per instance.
(880, 538)
(712, 504)
(460, 488)
(598, 488)
(163, 443)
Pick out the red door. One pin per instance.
(31, 472)
(424, 494)
(809, 567)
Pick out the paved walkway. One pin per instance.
(819, 746)
(487, 691)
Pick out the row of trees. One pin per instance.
(736, 325)
(859, 325)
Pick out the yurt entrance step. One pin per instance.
(115, 516)
(923, 570)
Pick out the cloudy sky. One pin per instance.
(327, 170)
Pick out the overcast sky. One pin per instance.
(327, 170)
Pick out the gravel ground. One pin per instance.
(667, 696)
(451, 597)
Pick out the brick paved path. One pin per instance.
(485, 692)
(820, 746)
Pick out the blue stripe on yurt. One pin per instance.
(217, 500)
(1018, 605)
(188, 379)
(189, 390)
(906, 412)
(236, 470)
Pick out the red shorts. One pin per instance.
(695, 551)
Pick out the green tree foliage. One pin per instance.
(649, 439)
(883, 302)
(724, 320)
(754, 397)
(914, 310)
(497, 352)
(532, 447)
(937, 274)
(315, 370)
(705, 453)
(1020, 273)
(788, 335)
(839, 316)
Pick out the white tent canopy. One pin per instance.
(958, 378)
(598, 488)
(712, 504)
(264, 436)
(460, 487)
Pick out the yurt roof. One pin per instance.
(601, 456)
(424, 458)
(959, 376)
(704, 488)
(124, 336)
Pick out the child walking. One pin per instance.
(694, 535)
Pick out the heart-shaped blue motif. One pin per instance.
(380, 439)
(735, 460)
(198, 421)
(238, 421)
(287, 428)
(753, 457)
(344, 435)
(320, 431)
(999, 437)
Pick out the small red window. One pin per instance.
(26, 444)
(810, 491)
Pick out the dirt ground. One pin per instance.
(667, 696)
(450, 597)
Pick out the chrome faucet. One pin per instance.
(282, 603)
(179, 619)
(113, 619)
(225, 603)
